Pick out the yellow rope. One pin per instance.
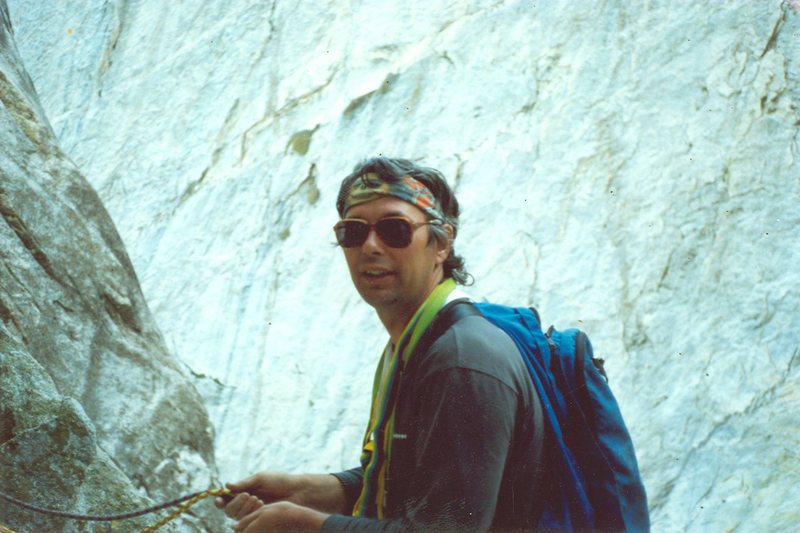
(173, 515)
(177, 512)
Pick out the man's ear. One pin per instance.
(444, 251)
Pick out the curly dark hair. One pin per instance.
(392, 170)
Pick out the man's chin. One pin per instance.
(378, 297)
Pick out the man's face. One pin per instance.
(394, 280)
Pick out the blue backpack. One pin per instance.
(594, 482)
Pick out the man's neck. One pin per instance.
(395, 324)
(395, 321)
(396, 318)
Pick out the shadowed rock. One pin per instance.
(95, 412)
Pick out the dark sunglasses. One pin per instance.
(396, 232)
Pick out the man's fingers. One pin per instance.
(223, 499)
(251, 505)
(242, 505)
(243, 485)
(251, 484)
(234, 508)
(242, 524)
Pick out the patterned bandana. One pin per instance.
(370, 187)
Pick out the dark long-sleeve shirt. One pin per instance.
(467, 451)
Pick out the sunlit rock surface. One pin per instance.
(628, 168)
(96, 415)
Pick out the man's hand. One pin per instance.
(277, 499)
(240, 506)
(281, 516)
(267, 487)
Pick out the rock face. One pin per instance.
(49, 452)
(628, 168)
(96, 415)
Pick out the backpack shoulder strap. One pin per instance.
(448, 315)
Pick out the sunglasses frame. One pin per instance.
(413, 225)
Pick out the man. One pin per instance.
(455, 436)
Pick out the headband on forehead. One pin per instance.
(370, 187)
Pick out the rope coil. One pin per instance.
(184, 503)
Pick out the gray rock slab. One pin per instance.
(69, 299)
(49, 454)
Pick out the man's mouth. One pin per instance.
(376, 273)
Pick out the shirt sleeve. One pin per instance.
(463, 436)
(352, 480)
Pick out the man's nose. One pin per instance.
(373, 243)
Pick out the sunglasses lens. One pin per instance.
(351, 233)
(395, 232)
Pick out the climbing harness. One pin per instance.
(183, 504)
